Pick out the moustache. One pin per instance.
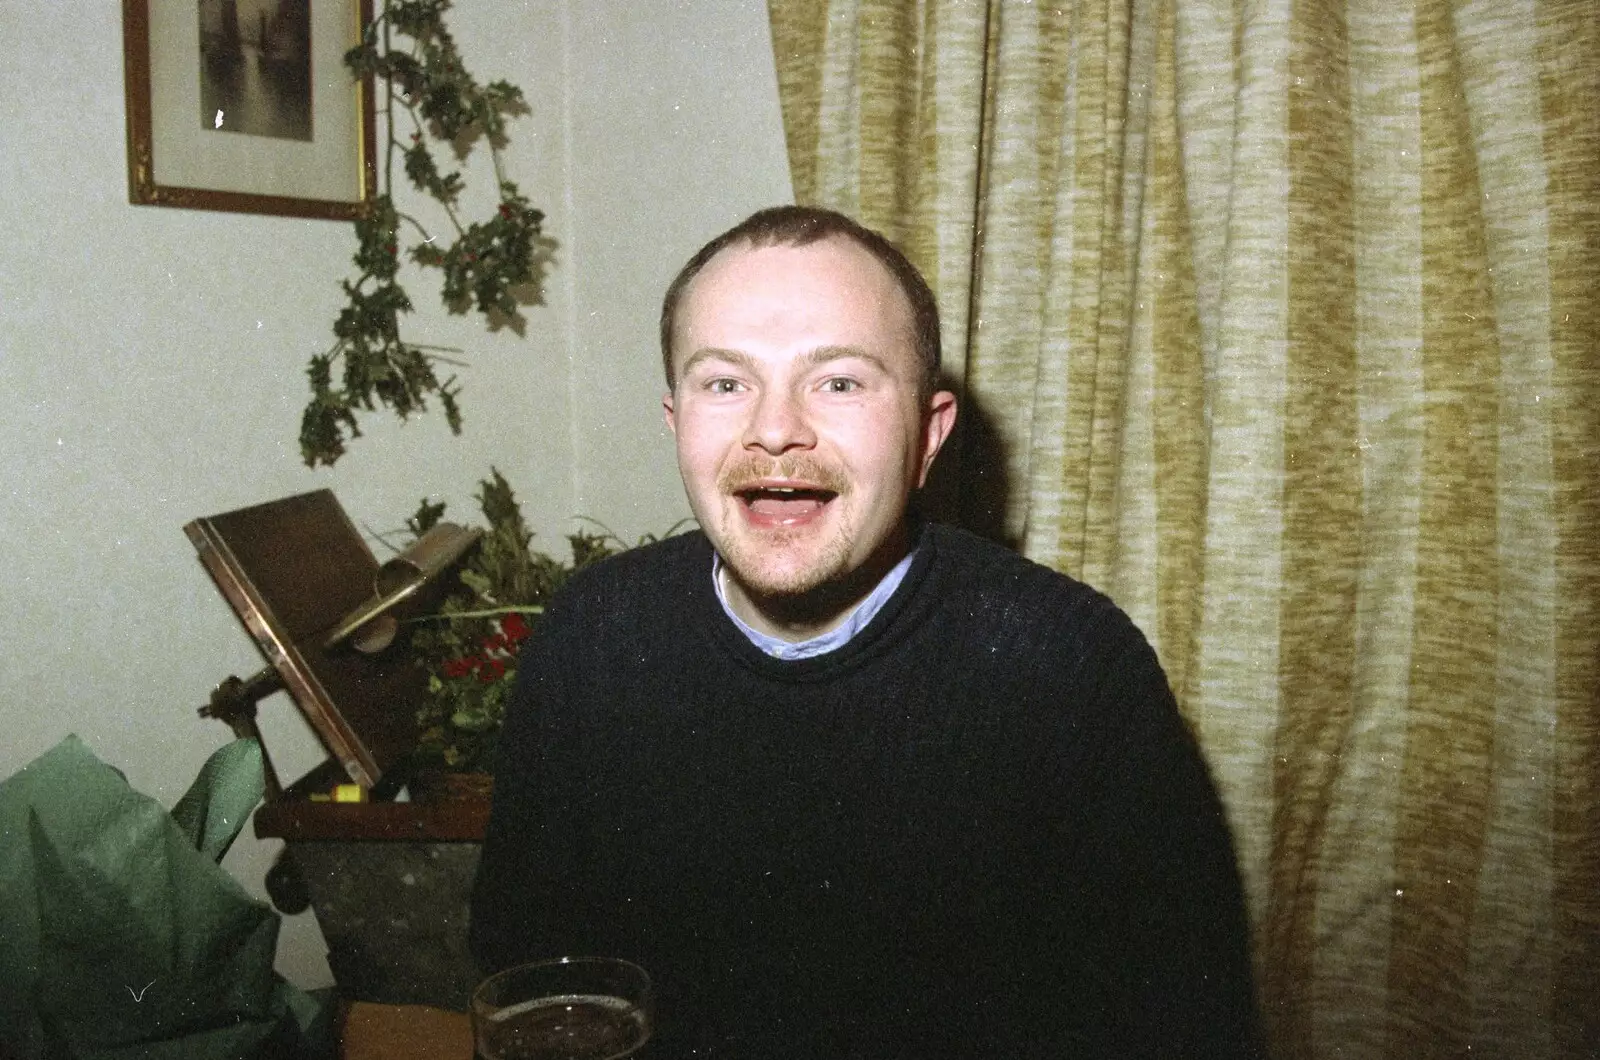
(748, 473)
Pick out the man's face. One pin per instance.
(800, 431)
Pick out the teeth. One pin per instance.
(783, 491)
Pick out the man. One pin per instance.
(846, 783)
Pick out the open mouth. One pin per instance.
(785, 503)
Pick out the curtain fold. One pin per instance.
(1276, 320)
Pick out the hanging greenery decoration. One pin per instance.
(419, 77)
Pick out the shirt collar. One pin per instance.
(835, 638)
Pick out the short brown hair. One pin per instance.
(799, 226)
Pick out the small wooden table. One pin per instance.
(404, 1032)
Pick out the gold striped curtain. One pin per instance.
(1278, 320)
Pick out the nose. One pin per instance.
(778, 424)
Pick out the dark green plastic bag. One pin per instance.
(120, 936)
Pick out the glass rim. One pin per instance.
(619, 964)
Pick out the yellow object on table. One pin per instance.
(404, 1032)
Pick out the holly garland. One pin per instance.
(413, 60)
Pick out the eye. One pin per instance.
(840, 384)
(723, 385)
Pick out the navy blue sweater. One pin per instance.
(980, 828)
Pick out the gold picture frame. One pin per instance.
(248, 111)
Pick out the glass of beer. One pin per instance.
(569, 1008)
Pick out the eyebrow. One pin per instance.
(812, 358)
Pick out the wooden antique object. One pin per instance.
(388, 880)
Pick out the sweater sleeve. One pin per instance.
(1159, 844)
(529, 874)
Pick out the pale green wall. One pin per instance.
(151, 359)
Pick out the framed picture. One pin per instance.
(246, 105)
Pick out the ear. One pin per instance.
(939, 419)
(667, 411)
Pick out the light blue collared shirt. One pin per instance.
(835, 638)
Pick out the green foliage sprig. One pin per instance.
(414, 63)
(470, 646)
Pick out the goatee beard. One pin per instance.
(816, 599)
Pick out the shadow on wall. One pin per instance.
(530, 292)
(970, 485)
